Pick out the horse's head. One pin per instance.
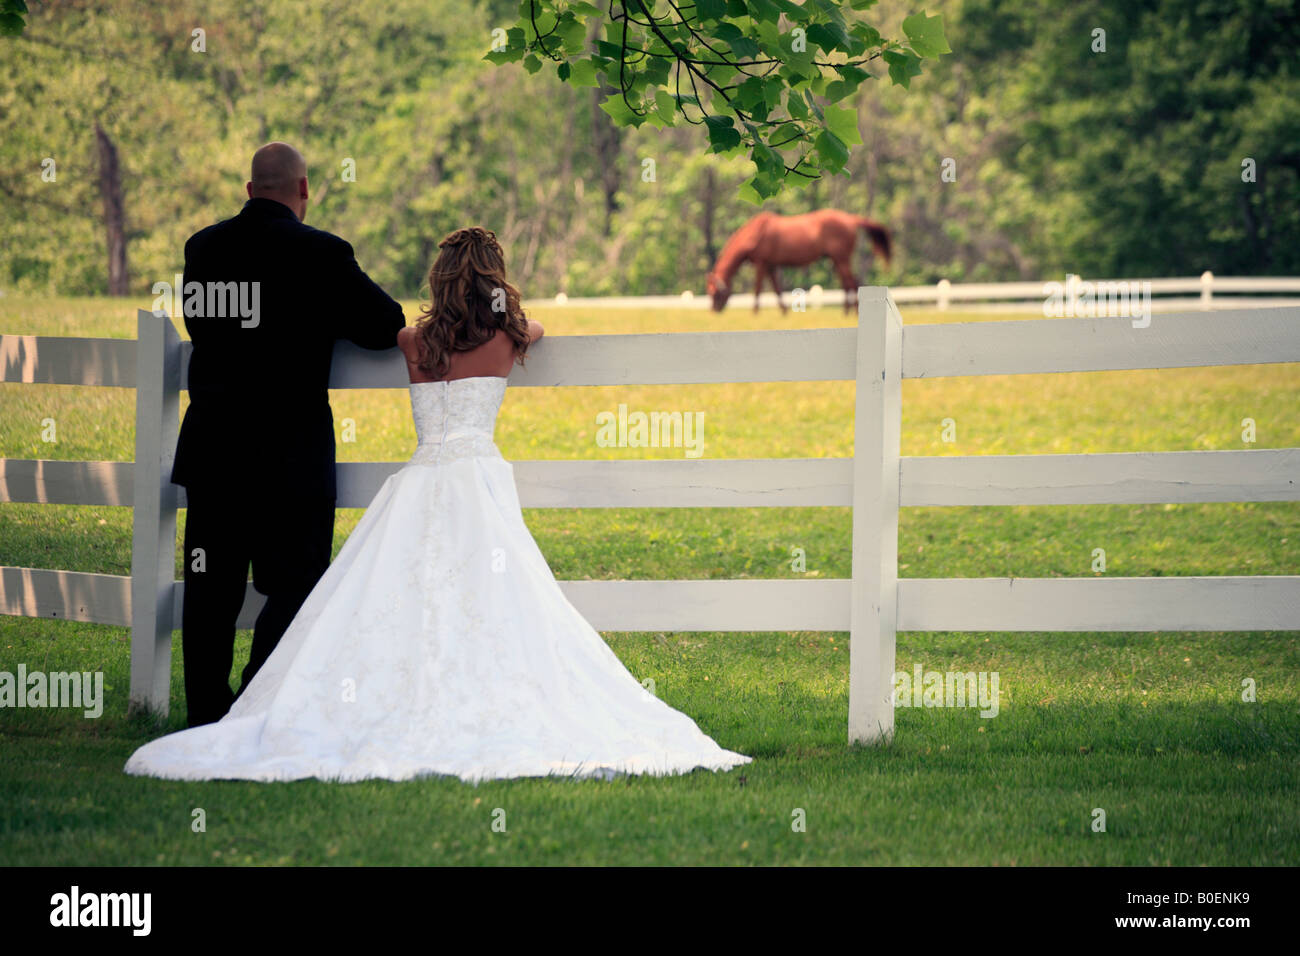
(719, 290)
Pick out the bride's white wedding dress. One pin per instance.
(439, 643)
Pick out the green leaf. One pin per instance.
(773, 87)
(620, 112)
(902, 67)
(711, 9)
(545, 21)
(794, 11)
(769, 34)
(926, 34)
(784, 134)
(868, 35)
(656, 69)
(743, 47)
(573, 32)
(750, 93)
(800, 62)
(666, 105)
(850, 79)
(583, 73)
(832, 9)
(844, 124)
(829, 36)
(764, 10)
(11, 24)
(769, 162)
(723, 134)
(531, 63)
(749, 194)
(504, 56)
(767, 186)
(833, 152)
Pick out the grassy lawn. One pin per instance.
(1151, 728)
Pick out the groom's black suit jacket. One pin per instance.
(259, 418)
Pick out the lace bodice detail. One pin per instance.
(455, 419)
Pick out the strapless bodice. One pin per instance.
(456, 419)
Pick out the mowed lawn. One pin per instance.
(1150, 728)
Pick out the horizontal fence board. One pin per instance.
(721, 483)
(1264, 602)
(1244, 603)
(65, 360)
(1034, 346)
(1176, 340)
(1266, 474)
(697, 483)
(1159, 304)
(935, 604)
(1256, 284)
(956, 292)
(669, 358)
(722, 605)
(67, 482)
(66, 595)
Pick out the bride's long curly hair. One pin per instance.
(471, 301)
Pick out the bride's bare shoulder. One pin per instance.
(406, 340)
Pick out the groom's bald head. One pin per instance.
(279, 172)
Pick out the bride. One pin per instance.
(438, 642)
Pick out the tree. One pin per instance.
(762, 77)
(12, 23)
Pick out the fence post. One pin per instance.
(153, 538)
(1207, 289)
(873, 614)
(945, 290)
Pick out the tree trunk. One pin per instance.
(608, 146)
(110, 190)
(708, 201)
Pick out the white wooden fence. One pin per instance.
(1206, 291)
(875, 482)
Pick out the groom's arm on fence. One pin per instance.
(363, 312)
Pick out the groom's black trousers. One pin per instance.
(286, 539)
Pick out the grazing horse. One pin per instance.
(771, 240)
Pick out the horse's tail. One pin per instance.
(879, 236)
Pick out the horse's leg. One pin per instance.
(776, 287)
(849, 281)
(760, 273)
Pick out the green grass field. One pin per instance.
(1151, 728)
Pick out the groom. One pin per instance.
(256, 449)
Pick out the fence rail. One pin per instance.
(1197, 291)
(875, 483)
(1119, 478)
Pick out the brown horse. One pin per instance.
(771, 240)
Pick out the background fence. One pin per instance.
(872, 605)
(1206, 291)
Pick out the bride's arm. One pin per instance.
(535, 331)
